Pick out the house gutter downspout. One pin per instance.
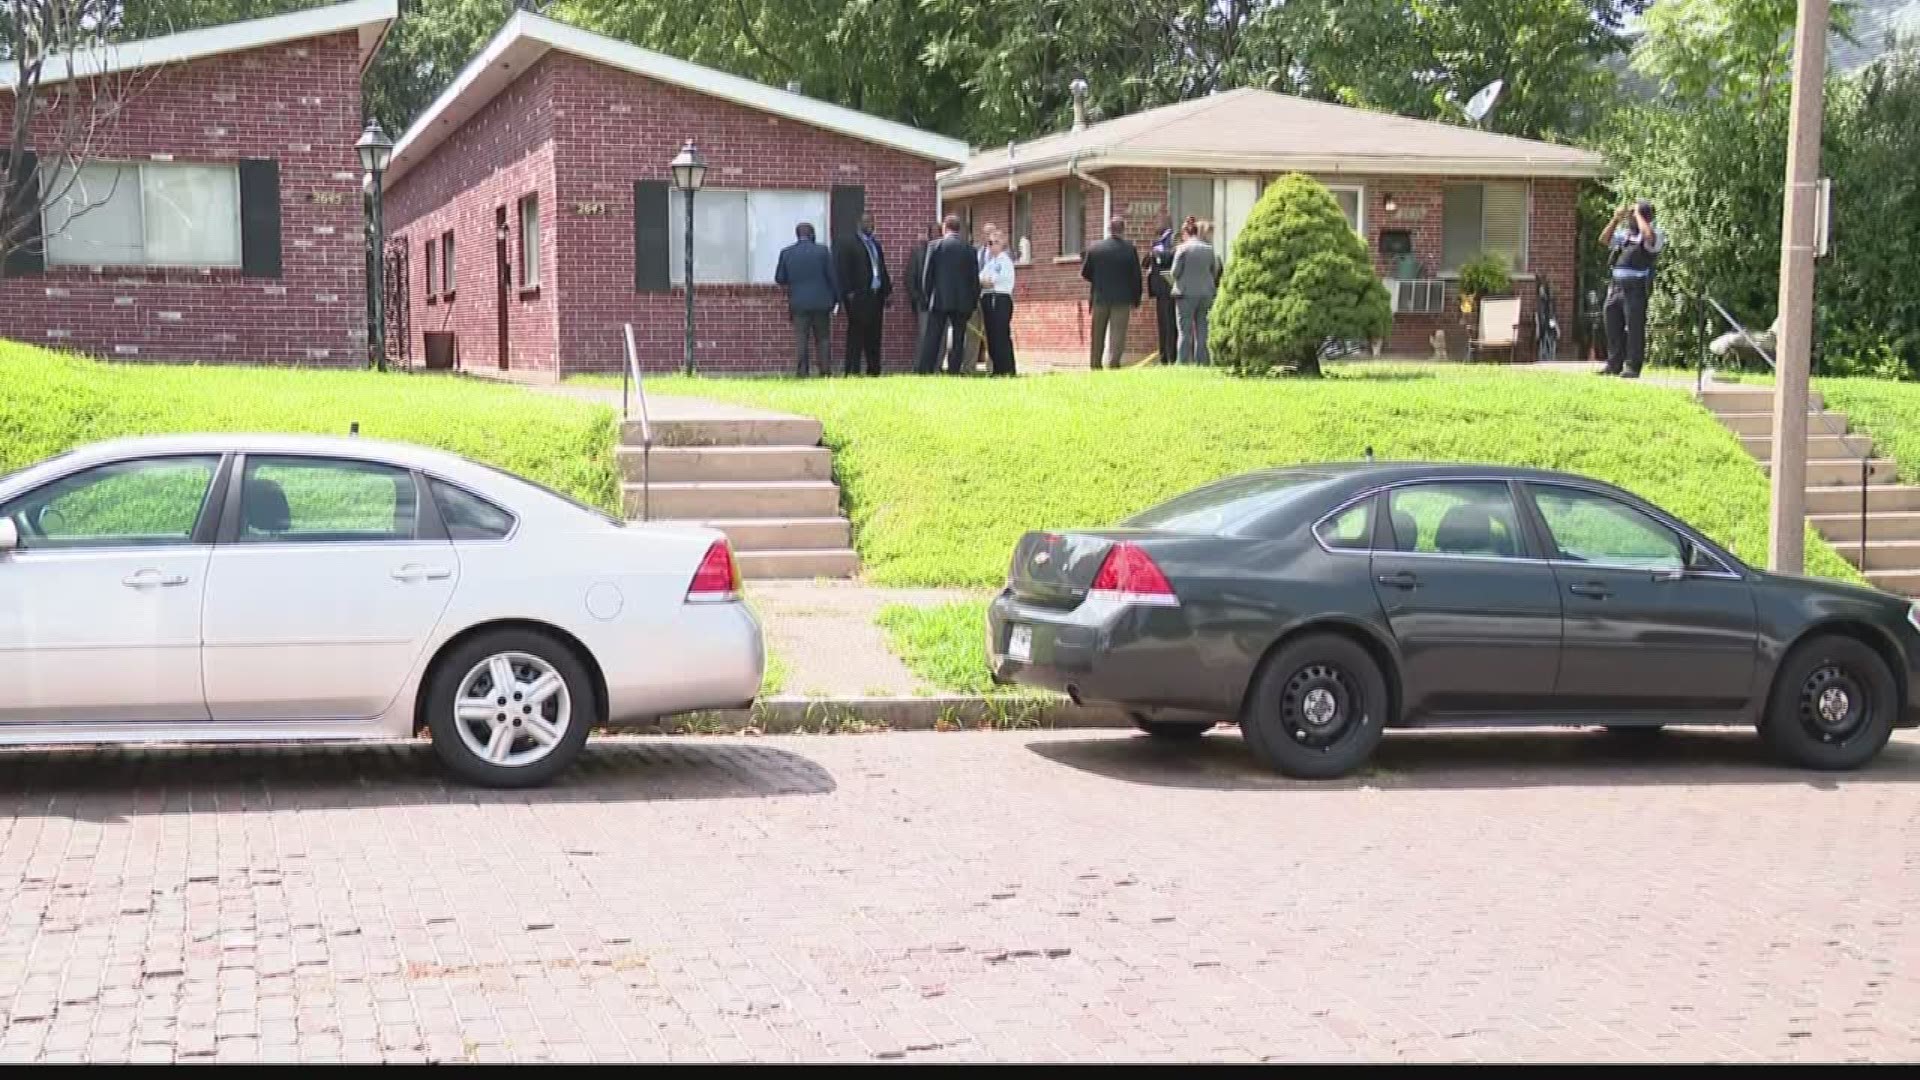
(1106, 191)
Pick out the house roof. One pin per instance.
(527, 37)
(1258, 130)
(370, 17)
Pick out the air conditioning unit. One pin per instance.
(1416, 296)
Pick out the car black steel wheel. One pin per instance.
(1833, 704)
(509, 708)
(1318, 707)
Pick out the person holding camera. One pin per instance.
(1634, 243)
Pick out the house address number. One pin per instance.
(590, 209)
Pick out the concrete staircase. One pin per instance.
(761, 478)
(1833, 484)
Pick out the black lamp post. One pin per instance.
(375, 151)
(689, 172)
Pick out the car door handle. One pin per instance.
(1592, 589)
(1405, 579)
(416, 572)
(146, 579)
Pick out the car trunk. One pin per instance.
(1056, 570)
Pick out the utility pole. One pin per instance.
(1786, 541)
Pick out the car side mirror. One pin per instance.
(9, 535)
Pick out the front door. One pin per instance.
(1651, 624)
(324, 599)
(1235, 195)
(503, 277)
(1477, 618)
(100, 603)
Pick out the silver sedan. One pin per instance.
(246, 588)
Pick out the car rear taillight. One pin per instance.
(718, 579)
(1129, 576)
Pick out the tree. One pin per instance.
(1741, 50)
(53, 122)
(1299, 277)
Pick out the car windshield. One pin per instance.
(1222, 506)
(563, 497)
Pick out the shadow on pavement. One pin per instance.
(112, 783)
(1477, 759)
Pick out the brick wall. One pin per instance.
(613, 128)
(497, 157)
(297, 103)
(1051, 319)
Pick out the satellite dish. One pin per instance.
(1480, 104)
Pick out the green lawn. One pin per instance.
(941, 476)
(52, 401)
(945, 644)
(1887, 411)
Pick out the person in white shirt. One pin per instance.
(996, 304)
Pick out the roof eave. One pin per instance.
(956, 184)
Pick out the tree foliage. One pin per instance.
(1299, 276)
(1739, 50)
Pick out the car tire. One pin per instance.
(1832, 706)
(1317, 709)
(1171, 729)
(528, 754)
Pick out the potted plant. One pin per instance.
(1483, 275)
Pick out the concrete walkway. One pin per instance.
(825, 633)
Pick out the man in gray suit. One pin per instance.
(805, 271)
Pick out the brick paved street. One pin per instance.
(1068, 895)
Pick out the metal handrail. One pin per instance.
(630, 375)
(1865, 459)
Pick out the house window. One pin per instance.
(738, 235)
(446, 264)
(432, 245)
(1353, 201)
(1023, 225)
(1190, 197)
(144, 214)
(1073, 218)
(530, 241)
(1484, 217)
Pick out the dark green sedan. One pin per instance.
(1318, 605)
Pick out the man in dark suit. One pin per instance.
(865, 287)
(1112, 270)
(805, 271)
(916, 282)
(951, 280)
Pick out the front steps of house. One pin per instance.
(764, 480)
(1834, 459)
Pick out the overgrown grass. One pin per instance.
(50, 402)
(941, 476)
(945, 644)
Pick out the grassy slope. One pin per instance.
(52, 401)
(941, 476)
(1888, 411)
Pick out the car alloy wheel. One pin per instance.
(512, 709)
(1319, 704)
(1834, 706)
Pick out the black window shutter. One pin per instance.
(650, 250)
(27, 253)
(848, 206)
(260, 217)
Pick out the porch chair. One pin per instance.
(1499, 327)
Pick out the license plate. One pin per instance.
(1020, 642)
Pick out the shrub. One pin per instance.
(1299, 277)
(1485, 275)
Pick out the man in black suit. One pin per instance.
(1112, 270)
(951, 281)
(865, 287)
(917, 281)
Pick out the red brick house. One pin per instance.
(218, 215)
(536, 205)
(1436, 192)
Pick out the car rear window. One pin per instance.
(1222, 506)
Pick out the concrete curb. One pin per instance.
(948, 712)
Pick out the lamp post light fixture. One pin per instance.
(375, 151)
(689, 172)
